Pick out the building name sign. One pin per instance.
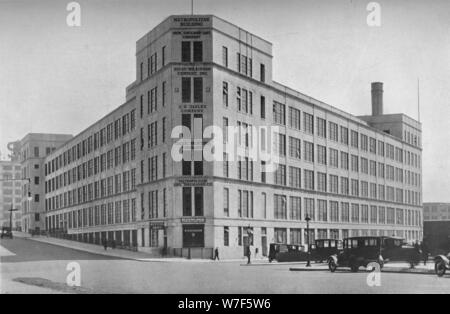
(193, 220)
(193, 182)
(192, 108)
(192, 70)
(191, 34)
(192, 21)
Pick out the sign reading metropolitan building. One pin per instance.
(117, 179)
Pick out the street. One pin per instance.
(22, 258)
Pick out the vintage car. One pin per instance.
(324, 248)
(287, 253)
(441, 264)
(395, 249)
(360, 251)
(6, 232)
(357, 252)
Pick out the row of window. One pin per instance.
(113, 131)
(112, 158)
(244, 64)
(121, 211)
(332, 211)
(299, 236)
(107, 187)
(152, 63)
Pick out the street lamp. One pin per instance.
(308, 263)
(10, 219)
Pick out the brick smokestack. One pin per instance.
(377, 98)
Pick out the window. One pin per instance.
(198, 89)
(263, 107)
(322, 210)
(225, 94)
(295, 212)
(334, 211)
(226, 236)
(186, 89)
(333, 184)
(295, 177)
(198, 201)
(321, 154)
(308, 179)
(163, 56)
(308, 123)
(225, 56)
(308, 151)
(280, 206)
(354, 139)
(321, 181)
(280, 175)
(279, 113)
(344, 135)
(333, 131)
(226, 202)
(294, 118)
(345, 212)
(294, 148)
(187, 201)
(355, 213)
(321, 127)
(185, 51)
(262, 73)
(309, 208)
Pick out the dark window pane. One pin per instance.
(185, 51)
(198, 168)
(186, 168)
(198, 89)
(187, 201)
(186, 89)
(199, 201)
(198, 51)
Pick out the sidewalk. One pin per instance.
(118, 253)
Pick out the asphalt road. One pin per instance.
(109, 275)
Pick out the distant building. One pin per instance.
(33, 149)
(10, 193)
(436, 226)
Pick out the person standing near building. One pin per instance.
(216, 254)
(249, 253)
(105, 244)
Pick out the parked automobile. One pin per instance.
(324, 248)
(6, 232)
(395, 249)
(357, 252)
(287, 253)
(441, 264)
(360, 251)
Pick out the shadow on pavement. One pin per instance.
(30, 251)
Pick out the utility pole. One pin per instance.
(192, 7)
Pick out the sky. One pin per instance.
(60, 79)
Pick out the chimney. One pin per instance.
(377, 98)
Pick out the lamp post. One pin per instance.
(308, 263)
(10, 218)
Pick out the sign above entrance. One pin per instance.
(193, 220)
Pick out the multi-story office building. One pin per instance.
(123, 178)
(10, 193)
(33, 149)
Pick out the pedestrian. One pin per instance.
(113, 244)
(216, 254)
(256, 252)
(249, 253)
(425, 252)
(105, 244)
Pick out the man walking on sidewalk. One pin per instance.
(249, 253)
(216, 254)
(105, 244)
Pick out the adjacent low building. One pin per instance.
(436, 226)
(122, 179)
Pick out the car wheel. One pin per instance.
(332, 265)
(354, 267)
(440, 268)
